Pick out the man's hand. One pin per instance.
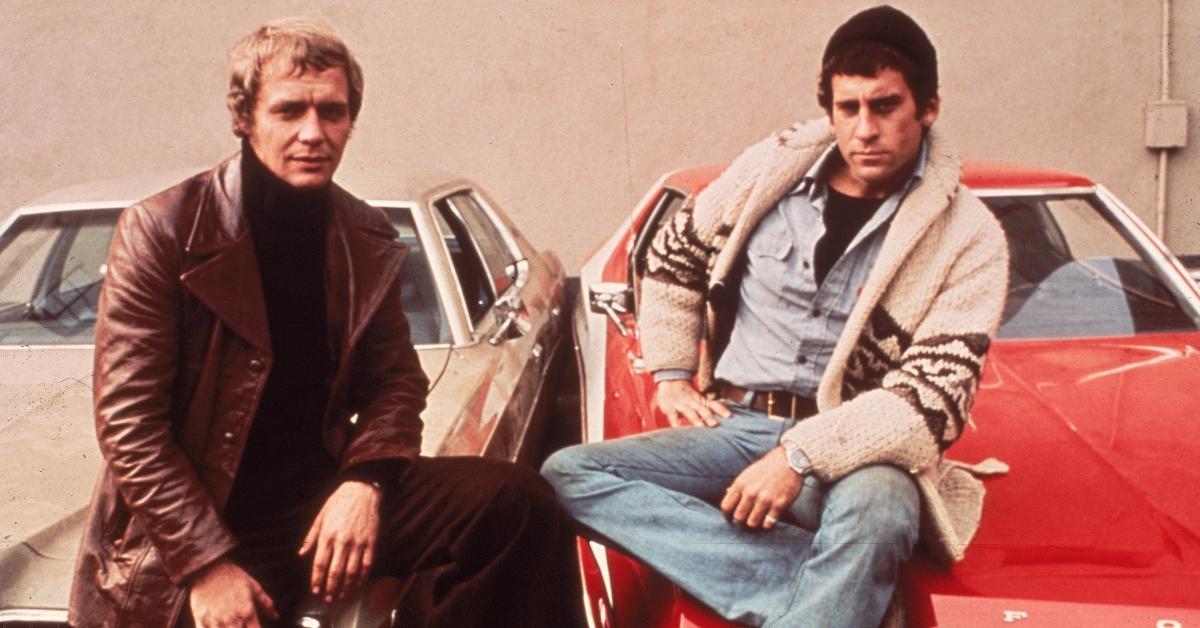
(343, 535)
(224, 595)
(760, 493)
(684, 405)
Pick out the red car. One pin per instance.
(1088, 394)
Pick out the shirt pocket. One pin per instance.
(770, 258)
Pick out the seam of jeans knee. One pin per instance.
(611, 467)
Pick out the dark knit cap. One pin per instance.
(889, 26)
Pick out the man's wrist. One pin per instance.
(376, 473)
(797, 460)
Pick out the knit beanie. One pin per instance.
(889, 26)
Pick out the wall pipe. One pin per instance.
(1160, 207)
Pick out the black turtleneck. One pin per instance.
(844, 217)
(285, 464)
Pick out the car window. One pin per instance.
(665, 207)
(51, 268)
(478, 292)
(418, 292)
(1074, 273)
(497, 256)
(52, 265)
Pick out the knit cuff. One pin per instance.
(668, 375)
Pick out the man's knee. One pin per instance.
(565, 464)
(880, 503)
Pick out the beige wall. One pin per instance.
(567, 111)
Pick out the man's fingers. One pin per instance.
(368, 560)
(720, 409)
(682, 415)
(745, 504)
(337, 568)
(730, 501)
(320, 566)
(706, 416)
(353, 571)
(772, 517)
(265, 603)
(757, 512)
(310, 539)
(693, 417)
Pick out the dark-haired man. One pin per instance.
(258, 397)
(847, 287)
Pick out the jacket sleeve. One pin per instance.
(671, 319)
(924, 400)
(136, 359)
(679, 261)
(388, 390)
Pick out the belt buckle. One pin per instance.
(771, 407)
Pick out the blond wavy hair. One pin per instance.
(309, 44)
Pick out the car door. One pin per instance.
(507, 349)
(628, 407)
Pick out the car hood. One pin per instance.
(47, 472)
(51, 462)
(1099, 506)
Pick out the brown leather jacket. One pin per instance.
(182, 355)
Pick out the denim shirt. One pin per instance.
(786, 325)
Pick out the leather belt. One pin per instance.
(777, 404)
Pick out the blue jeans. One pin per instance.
(832, 561)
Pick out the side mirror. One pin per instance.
(611, 299)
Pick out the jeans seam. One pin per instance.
(609, 468)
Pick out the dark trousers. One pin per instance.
(475, 542)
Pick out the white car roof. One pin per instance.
(412, 185)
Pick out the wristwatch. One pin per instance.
(797, 460)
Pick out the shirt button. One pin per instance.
(256, 364)
(802, 359)
(229, 436)
(815, 313)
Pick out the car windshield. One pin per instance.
(52, 264)
(1074, 273)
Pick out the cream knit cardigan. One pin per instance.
(902, 377)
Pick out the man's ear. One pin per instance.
(244, 125)
(930, 114)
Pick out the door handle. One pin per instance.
(511, 320)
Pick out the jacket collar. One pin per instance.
(362, 259)
(777, 165)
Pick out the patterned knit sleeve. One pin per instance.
(673, 294)
(910, 392)
(680, 259)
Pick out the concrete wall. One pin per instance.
(567, 111)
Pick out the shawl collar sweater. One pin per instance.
(902, 378)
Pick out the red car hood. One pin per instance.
(1100, 506)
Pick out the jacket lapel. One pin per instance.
(943, 170)
(777, 168)
(363, 260)
(226, 278)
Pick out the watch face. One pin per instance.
(798, 461)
